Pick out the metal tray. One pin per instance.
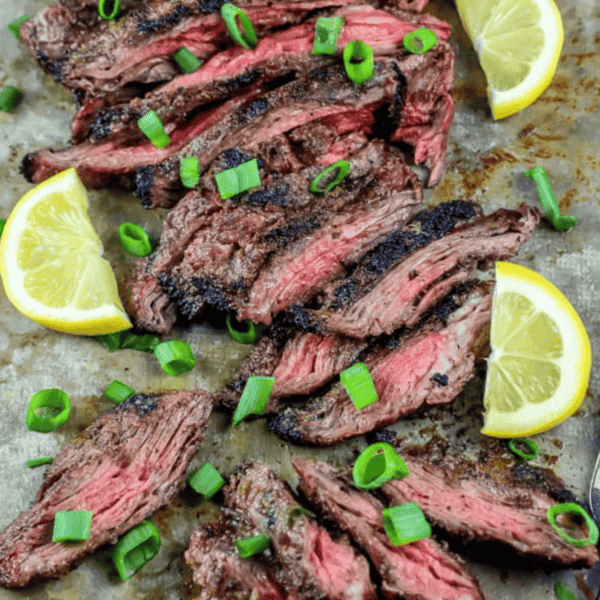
(486, 160)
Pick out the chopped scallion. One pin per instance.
(118, 392)
(242, 337)
(573, 509)
(15, 25)
(134, 239)
(122, 340)
(253, 545)
(152, 128)
(405, 524)
(246, 38)
(206, 481)
(342, 166)
(420, 40)
(135, 549)
(562, 592)
(37, 462)
(361, 71)
(327, 31)
(232, 182)
(254, 398)
(48, 409)
(175, 357)
(359, 385)
(376, 465)
(2, 225)
(186, 60)
(10, 97)
(71, 525)
(533, 448)
(102, 8)
(190, 171)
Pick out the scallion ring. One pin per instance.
(327, 31)
(10, 97)
(420, 40)
(253, 545)
(359, 385)
(248, 38)
(2, 225)
(37, 462)
(206, 481)
(118, 392)
(48, 409)
(562, 592)
(254, 398)
(175, 357)
(343, 167)
(405, 524)
(242, 337)
(102, 9)
(190, 172)
(135, 549)
(376, 465)
(134, 239)
(152, 128)
(72, 525)
(573, 509)
(533, 448)
(186, 60)
(14, 26)
(232, 182)
(362, 71)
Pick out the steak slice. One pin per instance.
(413, 268)
(315, 565)
(421, 570)
(124, 467)
(283, 53)
(403, 378)
(477, 500)
(221, 571)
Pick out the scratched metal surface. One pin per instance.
(561, 132)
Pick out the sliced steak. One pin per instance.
(402, 377)
(413, 268)
(222, 572)
(479, 501)
(124, 467)
(421, 570)
(315, 565)
(283, 53)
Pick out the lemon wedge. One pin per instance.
(51, 261)
(539, 368)
(518, 43)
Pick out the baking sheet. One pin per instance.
(486, 159)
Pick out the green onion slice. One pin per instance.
(190, 171)
(343, 166)
(376, 465)
(242, 337)
(254, 398)
(252, 545)
(136, 548)
(420, 40)
(327, 31)
(2, 225)
(405, 524)
(359, 385)
(152, 128)
(533, 448)
(122, 340)
(247, 38)
(134, 239)
(206, 481)
(10, 97)
(186, 60)
(72, 525)
(15, 25)
(361, 71)
(102, 9)
(232, 182)
(48, 409)
(118, 392)
(37, 462)
(175, 357)
(573, 509)
(562, 592)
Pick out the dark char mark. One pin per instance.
(254, 109)
(144, 178)
(101, 126)
(297, 227)
(210, 6)
(172, 18)
(27, 166)
(283, 424)
(398, 100)
(242, 80)
(55, 69)
(188, 306)
(143, 403)
(344, 294)
(439, 378)
(211, 292)
(263, 197)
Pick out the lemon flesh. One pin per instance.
(51, 261)
(540, 364)
(518, 43)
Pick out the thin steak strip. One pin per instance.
(421, 570)
(124, 467)
(315, 565)
(402, 377)
(477, 500)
